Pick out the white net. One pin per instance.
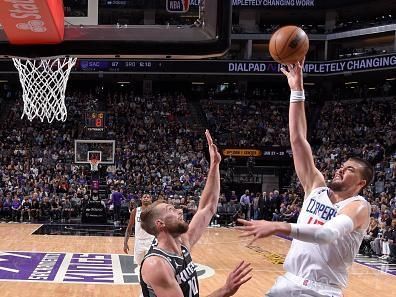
(94, 164)
(44, 84)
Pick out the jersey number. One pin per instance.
(192, 283)
(310, 221)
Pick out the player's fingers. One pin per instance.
(244, 222)
(246, 234)
(253, 240)
(284, 71)
(234, 272)
(243, 270)
(245, 228)
(300, 64)
(244, 273)
(242, 281)
(241, 266)
(238, 266)
(208, 137)
(214, 147)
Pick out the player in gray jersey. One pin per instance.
(167, 269)
(333, 218)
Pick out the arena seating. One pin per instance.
(161, 151)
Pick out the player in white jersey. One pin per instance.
(143, 240)
(333, 218)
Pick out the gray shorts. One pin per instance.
(294, 286)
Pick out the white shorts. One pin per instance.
(141, 248)
(294, 286)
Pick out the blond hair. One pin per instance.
(148, 217)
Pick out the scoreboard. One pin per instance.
(95, 121)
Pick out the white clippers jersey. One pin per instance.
(140, 234)
(324, 263)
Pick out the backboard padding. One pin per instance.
(209, 37)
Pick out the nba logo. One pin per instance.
(177, 6)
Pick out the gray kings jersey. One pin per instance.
(183, 267)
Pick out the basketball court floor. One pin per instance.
(71, 265)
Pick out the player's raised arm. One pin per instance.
(308, 174)
(210, 196)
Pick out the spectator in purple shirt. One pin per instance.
(16, 209)
(7, 208)
(116, 199)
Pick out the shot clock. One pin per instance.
(95, 121)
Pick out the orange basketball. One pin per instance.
(288, 45)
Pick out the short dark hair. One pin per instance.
(148, 217)
(367, 171)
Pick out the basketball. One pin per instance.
(288, 45)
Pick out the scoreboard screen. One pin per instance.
(95, 121)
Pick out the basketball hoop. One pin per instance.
(44, 84)
(94, 164)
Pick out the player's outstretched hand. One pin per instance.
(237, 278)
(215, 156)
(257, 229)
(294, 75)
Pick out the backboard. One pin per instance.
(88, 149)
(132, 29)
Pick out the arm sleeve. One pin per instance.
(323, 234)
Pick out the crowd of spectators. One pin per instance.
(38, 179)
(359, 23)
(271, 28)
(359, 127)
(363, 128)
(247, 122)
(160, 151)
(357, 90)
(347, 52)
(342, 25)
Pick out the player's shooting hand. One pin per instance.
(237, 278)
(257, 229)
(294, 75)
(215, 156)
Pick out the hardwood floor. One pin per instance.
(219, 249)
